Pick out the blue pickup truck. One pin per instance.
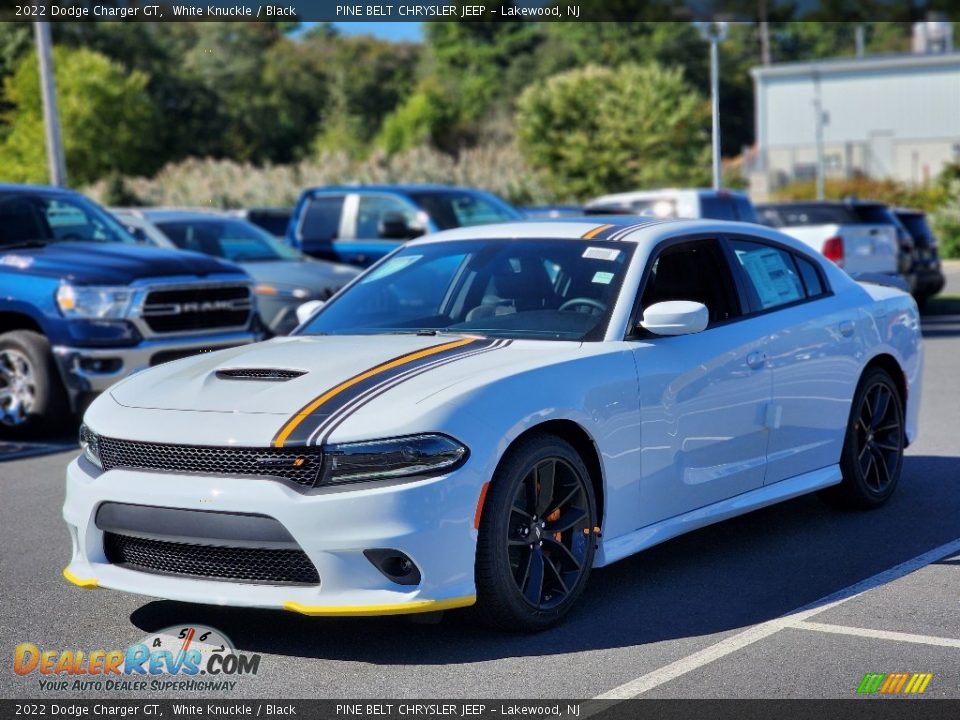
(82, 305)
(359, 224)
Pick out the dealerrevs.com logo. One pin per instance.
(180, 658)
(894, 683)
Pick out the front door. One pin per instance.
(703, 397)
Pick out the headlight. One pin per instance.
(79, 301)
(287, 293)
(90, 445)
(393, 458)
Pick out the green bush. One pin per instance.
(105, 115)
(596, 130)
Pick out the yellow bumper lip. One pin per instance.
(414, 606)
(87, 583)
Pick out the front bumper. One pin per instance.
(91, 370)
(431, 521)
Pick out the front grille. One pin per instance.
(275, 374)
(197, 308)
(211, 562)
(300, 466)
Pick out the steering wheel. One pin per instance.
(594, 305)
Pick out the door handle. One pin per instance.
(846, 328)
(756, 360)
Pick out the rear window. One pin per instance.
(918, 227)
(874, 214)
(463, 209)
(793, 215)
(717, 208)
(321, 221)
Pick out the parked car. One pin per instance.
(82, 305)
(673, 203)
(273, 220)
(860, 237)
(927, 268)
(491, 412)
(360, 224)
(285, 278)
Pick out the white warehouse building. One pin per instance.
(882, 117)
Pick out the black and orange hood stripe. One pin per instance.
(322, 414)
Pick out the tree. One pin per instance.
(596, 130)
(105, 115)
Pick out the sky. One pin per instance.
(396, 31)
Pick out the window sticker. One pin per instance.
(602, 278)
(601, 253)
(391, 266)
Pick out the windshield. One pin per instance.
(452, 209)
(544, 289)
(27, 218)
(235, 240)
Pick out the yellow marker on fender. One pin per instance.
(596, 231)
(88, 583)
(305, 412)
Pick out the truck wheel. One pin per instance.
(31, 394)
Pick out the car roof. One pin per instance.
(399, 188)
(47, 189)
(640, 230)
(176, 214)
(661, 193)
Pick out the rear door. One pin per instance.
(319, 224)
(813, 355)
(703, 397)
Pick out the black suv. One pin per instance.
(929, 273)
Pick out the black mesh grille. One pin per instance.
(301, 466)
(274, 374)
(197, 308)
(211, 562)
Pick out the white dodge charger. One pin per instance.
(488, 413)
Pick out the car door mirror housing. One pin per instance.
(675, 317)
(307, 309)
(394, 226)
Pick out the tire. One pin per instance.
(872, 455)
(32, 398)
(515, 546)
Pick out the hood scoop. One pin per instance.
(261, 374)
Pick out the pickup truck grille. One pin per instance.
(199, 308)
(300, 466)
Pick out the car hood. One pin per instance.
(93, 263)
(408, 367)
(314, 276)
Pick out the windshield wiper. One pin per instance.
(25, 244)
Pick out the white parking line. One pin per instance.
(878, 634)
(725, 647)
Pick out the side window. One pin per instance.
(717, 208)
(694, 271)
(373, 210)
(810, 276)
(321, 220)
(770, 272)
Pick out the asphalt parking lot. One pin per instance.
(798, 600)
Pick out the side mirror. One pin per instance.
(675, 317)
(394, 226)
(306, 311)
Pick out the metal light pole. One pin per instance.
(818, 119)
(714, 33)
(51, 115)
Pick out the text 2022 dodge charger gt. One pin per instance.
(486, 414)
